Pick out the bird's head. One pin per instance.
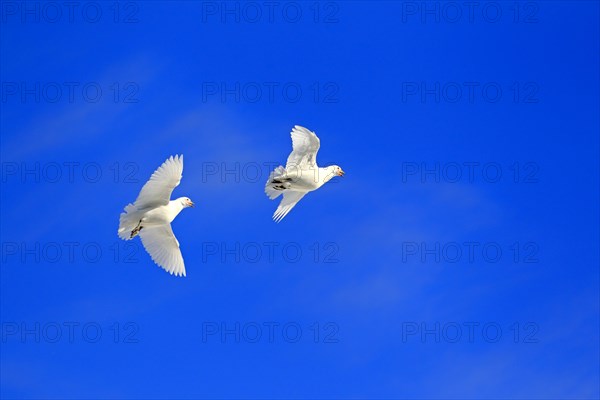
(186, 202)
(338, 171)
(331, 172)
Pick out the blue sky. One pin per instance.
(458, 257)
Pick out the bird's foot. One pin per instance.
(136, 230)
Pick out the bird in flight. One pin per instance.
(151, 214)
(301, 173)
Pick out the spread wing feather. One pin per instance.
(162, 245)
(305, 145)
(290, 199)
(157, 191)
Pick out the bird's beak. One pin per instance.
(191, 204)
(341, 173)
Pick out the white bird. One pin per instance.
(301, 173)
(152, 213)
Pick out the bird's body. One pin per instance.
(302, 180)
(301, 173)
(151, 215)
(164, 214)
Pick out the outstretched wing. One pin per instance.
(305, 145)
(157, 191)
(290, 199)
(163, 247)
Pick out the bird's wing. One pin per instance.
(290, 199)
(163, 247)
(305, 145)
(157, 191)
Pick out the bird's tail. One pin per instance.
(276, 185)
(128, 222)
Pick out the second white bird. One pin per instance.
(301, 173)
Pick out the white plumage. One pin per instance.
(301, 173)
(151, 214)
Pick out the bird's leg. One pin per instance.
(137, 229)
(281, 183)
